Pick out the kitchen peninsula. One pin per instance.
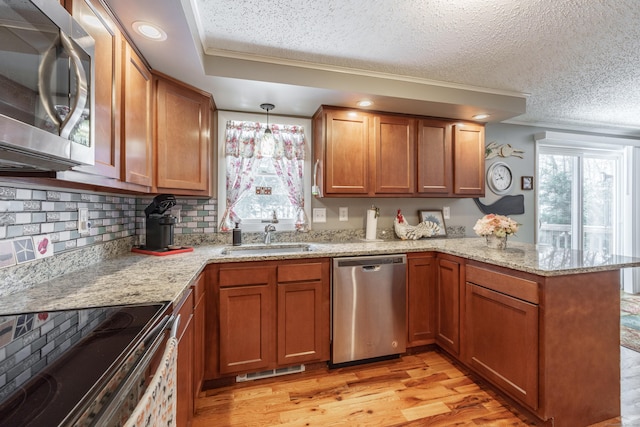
(540, 324)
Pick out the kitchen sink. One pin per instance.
(276, 248)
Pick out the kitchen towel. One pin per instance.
(372, 224)
(158, 404)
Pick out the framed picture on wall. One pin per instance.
(527, 183)
(437, 218)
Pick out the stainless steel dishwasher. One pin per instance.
(369, 301)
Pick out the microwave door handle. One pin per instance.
(44, 82)
(75, 115)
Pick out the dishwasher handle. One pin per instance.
(371, 268)
(369, 261)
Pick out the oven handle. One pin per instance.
(153, 341)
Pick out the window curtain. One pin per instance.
(243, 146)
(289, 164)
(240, 148)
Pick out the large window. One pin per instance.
(588, 196)
(260, 177)
(579, 198)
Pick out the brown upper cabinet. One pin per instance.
(435, 163)
(468, 159)
(152, 133)
(107, 96)
(368, 154)
(182, 138)
(137, 136)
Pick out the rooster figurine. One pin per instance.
(413, 232)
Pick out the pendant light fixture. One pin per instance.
(268, 136)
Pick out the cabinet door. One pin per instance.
(300, 323)
(184, 371)
(502, 341)
(468, 159)
(394, 155)
(347, 153)
(435, 173)
(422, 300)
(107, 65)
(303, 312)
(247, 332)
(182, 139)
(136, 120)
(198, 335)
(448, 305)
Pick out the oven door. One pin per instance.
(132, 384)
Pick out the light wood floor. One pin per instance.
(425, 389)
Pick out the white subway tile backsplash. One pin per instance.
(48, 206)
(46, 228)
(23, 218)
(24, 194)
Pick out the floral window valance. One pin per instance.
(244, 139)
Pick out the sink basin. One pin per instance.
(267, 249)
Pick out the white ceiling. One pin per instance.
(575, 64)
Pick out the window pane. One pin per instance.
(261, 206)
(555, 195)
(599, 202)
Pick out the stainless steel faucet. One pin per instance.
(270, 228)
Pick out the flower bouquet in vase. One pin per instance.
(496, 228)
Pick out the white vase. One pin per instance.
(495, 242)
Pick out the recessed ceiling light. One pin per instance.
(365, 103)
(149, 31)
(481, 116)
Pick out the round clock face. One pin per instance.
(499, 178)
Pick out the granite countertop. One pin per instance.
(136, 278)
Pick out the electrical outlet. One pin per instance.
(446, 213)
(343, 214)
(83, 221)
(319, 215)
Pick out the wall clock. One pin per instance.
(499, 178)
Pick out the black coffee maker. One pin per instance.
(160, 224)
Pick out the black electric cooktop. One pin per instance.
(74, 362)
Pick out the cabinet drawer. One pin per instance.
(245, 276)
(299, 272)
(516, 287)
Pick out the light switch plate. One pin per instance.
(343, 214)
(319, 215)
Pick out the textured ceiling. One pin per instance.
(578, 61)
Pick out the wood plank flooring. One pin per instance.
(425, 389)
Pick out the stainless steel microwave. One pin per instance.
(46, 88)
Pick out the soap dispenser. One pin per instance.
(237, 235)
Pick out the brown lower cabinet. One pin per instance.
(267, 315)
(447, 302)
(184, 383)
(550, 343)
(421, 282)
(199, 314)
(501, 333)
